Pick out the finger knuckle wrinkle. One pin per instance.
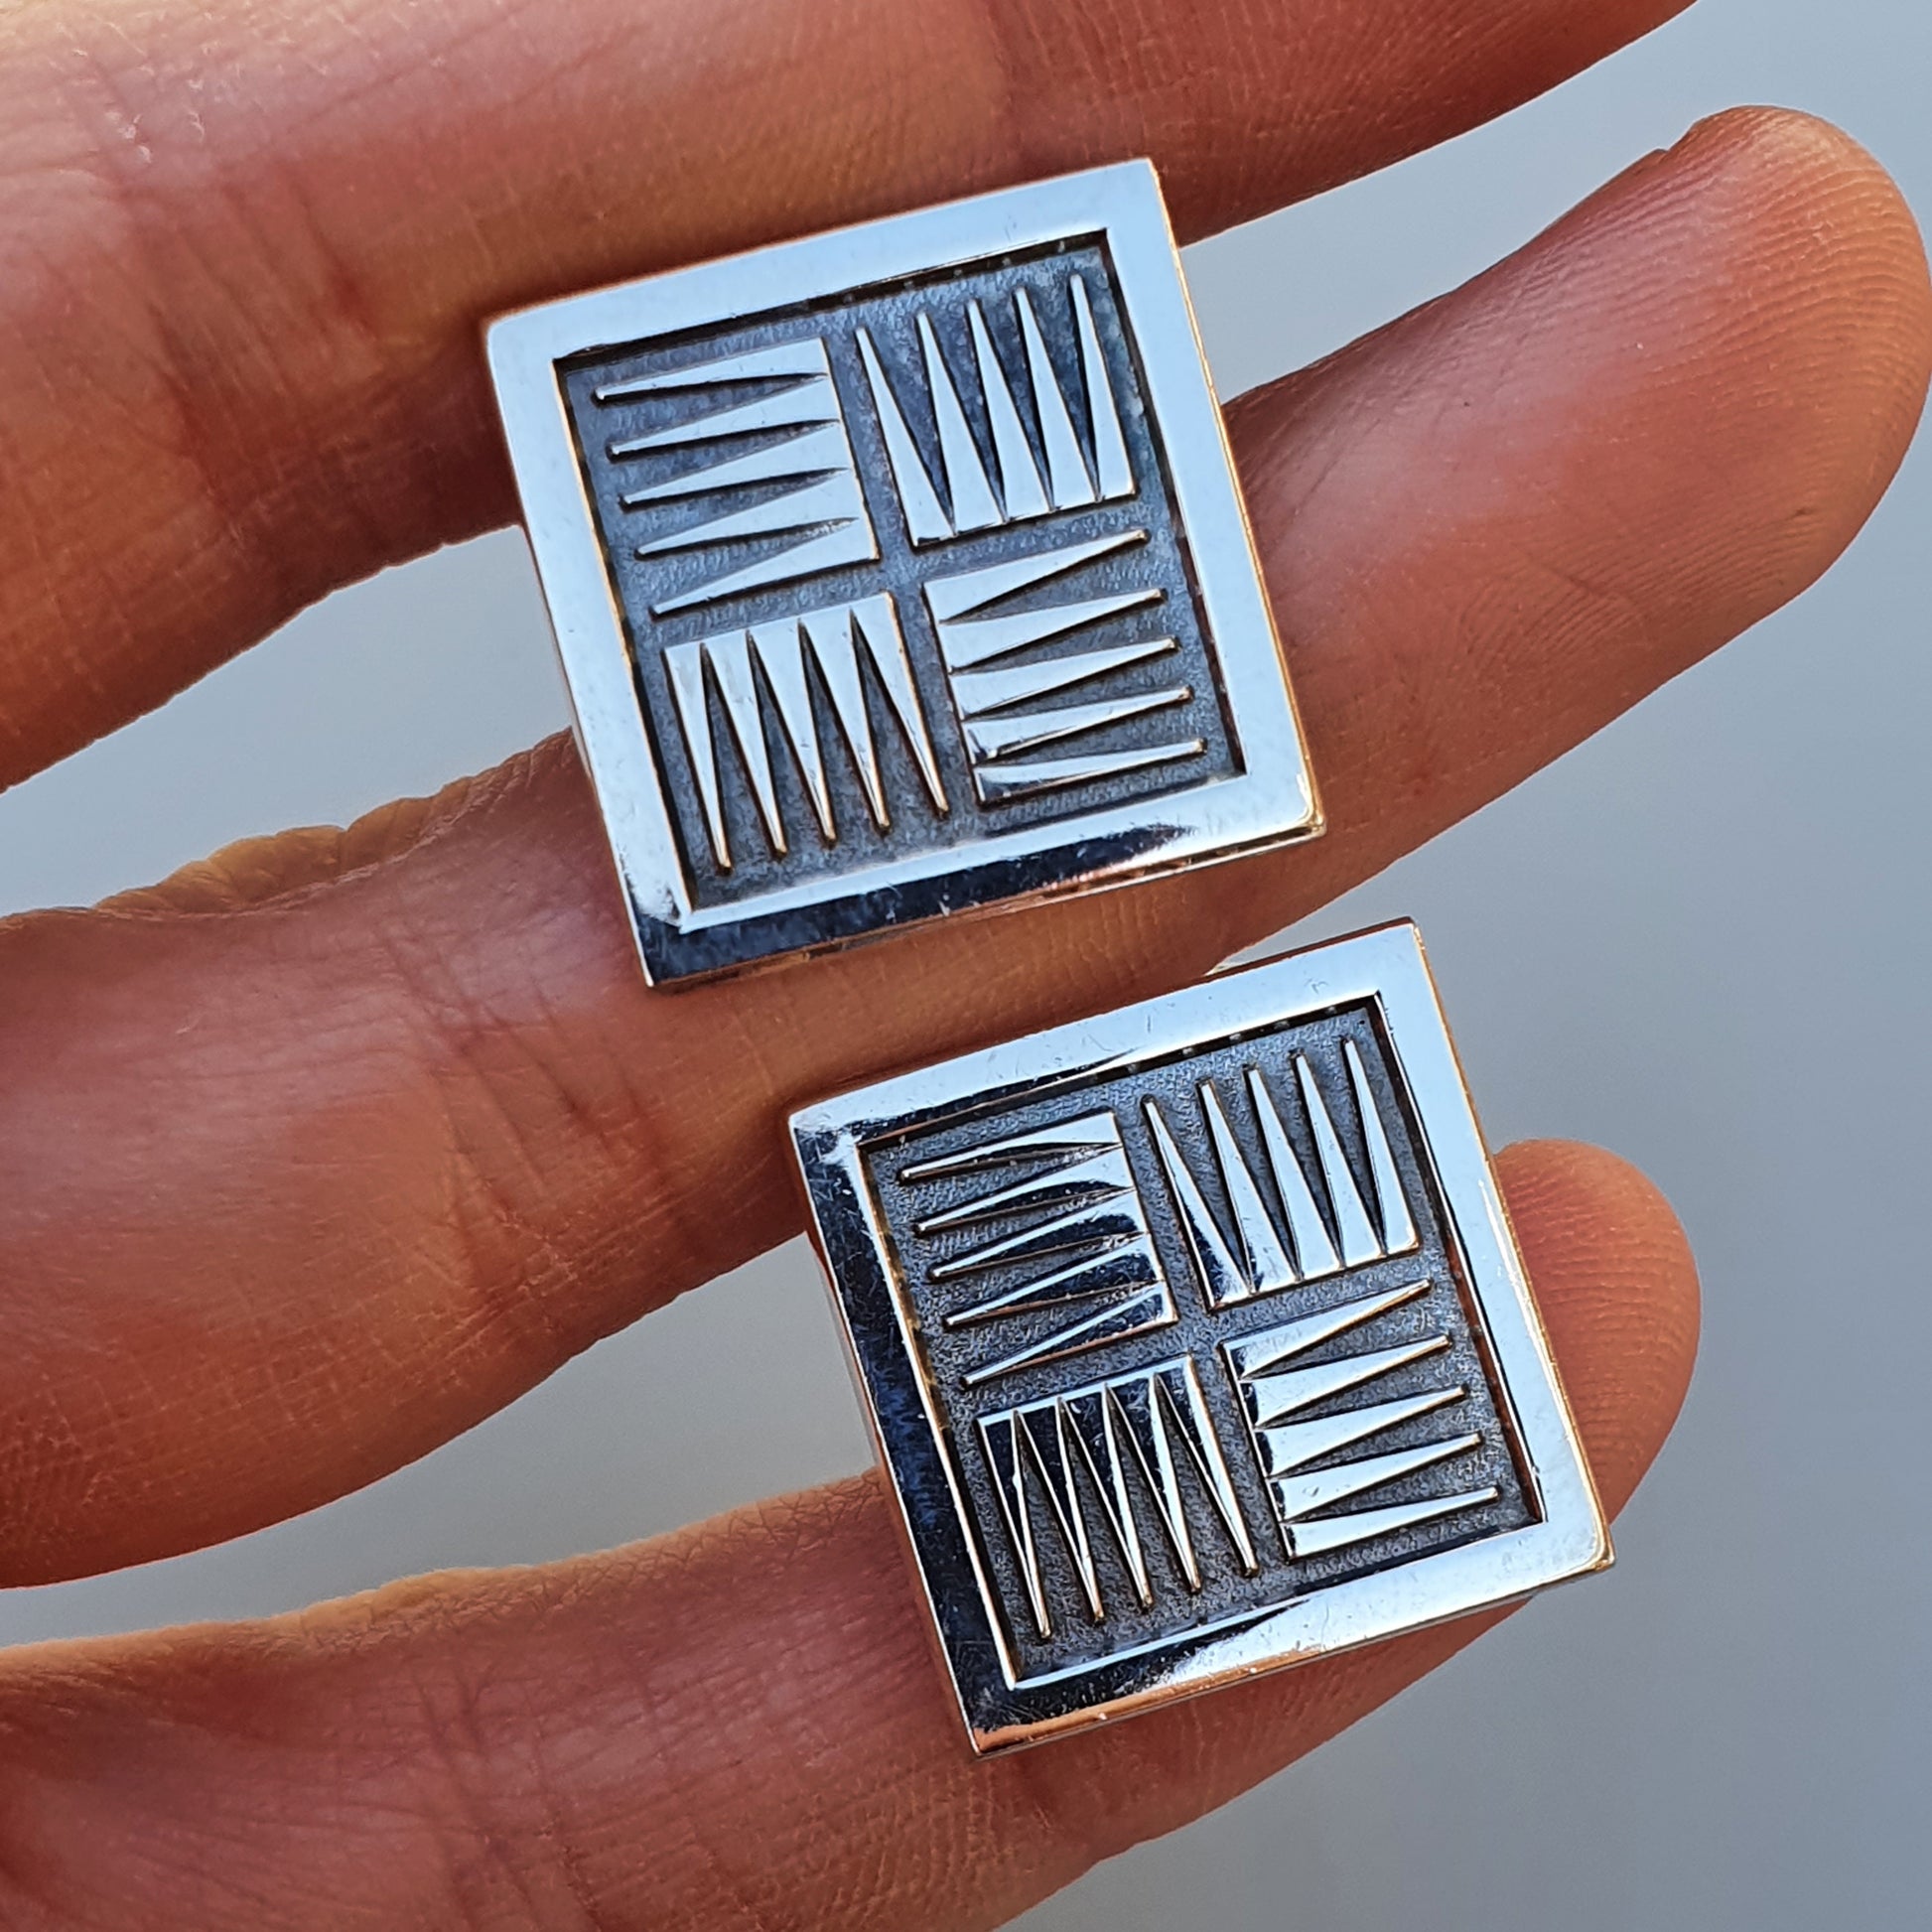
(502, 1248)
(246, 307)
(511, 1856)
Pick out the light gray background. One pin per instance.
(1731, 1730)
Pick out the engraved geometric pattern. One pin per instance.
(1302, 1458)
(815, 512)
(1198, 1340)
(1140, 1437)
(998, 698)
(898, 573)
(1023, 494)
(1063, 1196)
(1255, 1255)
(776, 703)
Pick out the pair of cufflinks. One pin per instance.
(900, 573)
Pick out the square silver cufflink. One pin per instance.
(900, 571)
(1196, 1341)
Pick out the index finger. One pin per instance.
(243, 254)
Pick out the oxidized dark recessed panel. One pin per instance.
(898, 571)
(1198, 1340)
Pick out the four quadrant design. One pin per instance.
(1199, 1346)
(1194, 1340)
(1029, 640)
(929, 591)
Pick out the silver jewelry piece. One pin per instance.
(1196, 1341)
(900, 572)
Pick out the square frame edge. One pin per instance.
(1570, 1538)
(1272, 801)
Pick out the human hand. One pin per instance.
(322, 1152)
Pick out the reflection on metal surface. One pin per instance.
(1194, 1340)
(992, 420)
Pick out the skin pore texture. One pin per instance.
(325, 1149)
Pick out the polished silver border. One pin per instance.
(1270, 802)
(1386, 968)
